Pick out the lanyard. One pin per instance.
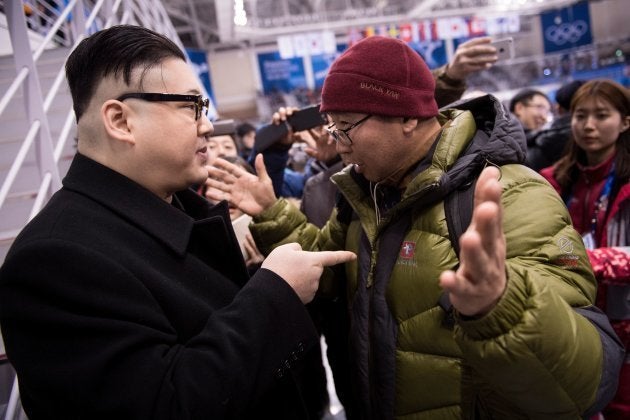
(600, 205)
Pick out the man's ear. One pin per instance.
(409, 124)
(115, 116)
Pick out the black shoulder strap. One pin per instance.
(458, 209)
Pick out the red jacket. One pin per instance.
(612, 228)
(611, 263)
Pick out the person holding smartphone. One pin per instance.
(472, 56)
(500, 323)
(319, 195)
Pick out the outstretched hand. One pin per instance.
(303, 269)
(251, 193)
(479, 282)
(471, 56)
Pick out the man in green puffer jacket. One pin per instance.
(524, 340)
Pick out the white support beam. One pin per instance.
(420, 11)
(225, 19)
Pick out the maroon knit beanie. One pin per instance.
(380, 76)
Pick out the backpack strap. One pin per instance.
(458, 209)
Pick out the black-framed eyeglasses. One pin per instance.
(201, 104)
(341, 136)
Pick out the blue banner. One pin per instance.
(321, 64)
(281, 75)
(199, 62)
(433, 52)
(566, 28)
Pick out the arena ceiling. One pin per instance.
(208, 24)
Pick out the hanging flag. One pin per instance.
(477, 26)
(415, 35)
(382, 30)
(449, 28)
(315, 43)
(393, 31)
(329, 42)
(427, 30)
(503, 25)
(285, 47)
(406, 33)
(354, 36)
(300, 45)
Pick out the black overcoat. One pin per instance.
(116, 304)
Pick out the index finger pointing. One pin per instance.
(328, 258)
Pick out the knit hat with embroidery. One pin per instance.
(380, 76)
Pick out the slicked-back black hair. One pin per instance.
(116, 51)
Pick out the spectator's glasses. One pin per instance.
(543, 109)
(201, 104)
(341, 136)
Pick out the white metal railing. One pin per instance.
(61, 24)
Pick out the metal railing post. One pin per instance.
(33, 99)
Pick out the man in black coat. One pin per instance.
(127, 296)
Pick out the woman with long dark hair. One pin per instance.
(593, 178)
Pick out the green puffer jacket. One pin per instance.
(533, 356)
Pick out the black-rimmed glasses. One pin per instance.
(341, 136)
(201, 103)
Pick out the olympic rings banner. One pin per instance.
(566, 28)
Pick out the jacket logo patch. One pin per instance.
(568, 259)
(407, 250)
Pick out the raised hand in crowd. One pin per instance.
(250, 193)
(471, 56)
(480, 280)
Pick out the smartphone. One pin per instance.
(241, 228)
(306, 118)
(268, 135)
(505, 48)
(300, 120)
(223, 127)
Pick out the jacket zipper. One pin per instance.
(370, 291)
(370, 279)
